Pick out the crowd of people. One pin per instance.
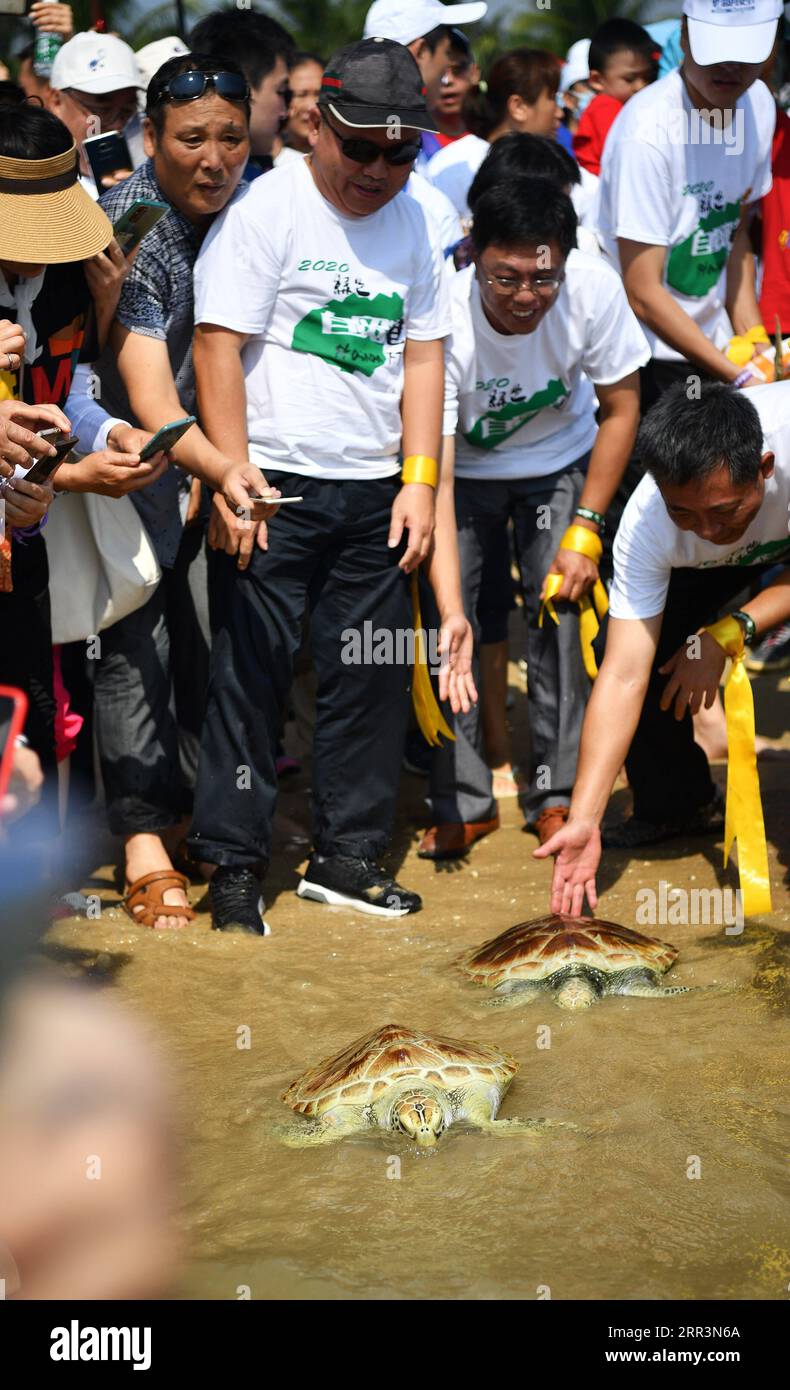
(422, 329)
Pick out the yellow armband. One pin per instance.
(419, 468)
(744, 815)
(592, 608)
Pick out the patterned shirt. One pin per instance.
(156, 301)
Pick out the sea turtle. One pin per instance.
(576, 958)
(402, 1079)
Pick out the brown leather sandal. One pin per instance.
(148, 891)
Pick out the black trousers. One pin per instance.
(668, 772)
(150, 697)
(330, 553)
(26, 662)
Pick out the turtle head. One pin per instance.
(420, 1117)
(577, 992)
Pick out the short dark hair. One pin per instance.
(157, 102)
(250, 40)
(526, 210)
(685, 437)
(618, 36)
(298, 57)
(519, 155)
(30, 132)
(11, 94)
(457, 37)
(523, 72)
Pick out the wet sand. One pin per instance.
(660, 1089)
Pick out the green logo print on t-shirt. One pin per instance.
(352, 332)
(497, 425)
(695, 264)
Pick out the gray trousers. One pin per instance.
(558, 686)
(150, 697)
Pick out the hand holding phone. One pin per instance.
(43, 469)
(107, 154)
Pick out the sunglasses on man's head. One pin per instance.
(367, 151)
(188, 86)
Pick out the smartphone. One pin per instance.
(137, 222)
(167, 436)
(43, 469)
(276, 501)
(13, 713)
(106, 153)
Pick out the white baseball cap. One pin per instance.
(95, 63)
(577, 64)
(407, 20)
(731, 31)
(151, 57)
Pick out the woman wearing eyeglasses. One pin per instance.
(542, 338)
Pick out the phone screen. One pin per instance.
(137, 222)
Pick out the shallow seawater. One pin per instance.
(660, 1090)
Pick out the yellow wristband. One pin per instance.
(584, 542)
(729, 634)
(758, 334)
(419, 468)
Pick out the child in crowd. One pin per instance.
(622, 61)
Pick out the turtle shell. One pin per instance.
(535, 950)
(363, 1071)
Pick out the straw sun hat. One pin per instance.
(46, 217)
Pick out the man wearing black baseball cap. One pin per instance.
(321, 308)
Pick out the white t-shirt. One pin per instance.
(648, 544)
(453, 169)
(439, 207)
(584, 197)
(328, 301)
(665, 184)
(524, 406)
(286, 156)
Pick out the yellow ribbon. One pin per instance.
(741, 345)
(429, 717)
(592, 608)
(744, 815)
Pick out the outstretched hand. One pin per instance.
(456, 682)
(577, 854)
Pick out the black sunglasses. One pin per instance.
(367, 151)
(188, 86)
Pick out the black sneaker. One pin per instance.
(236, 901)
(772, 652)
(343, 881)
(629, 834)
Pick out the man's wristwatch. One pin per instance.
(748, 624)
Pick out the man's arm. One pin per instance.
(443, 567)
(742, 306)
(643, 270)
(421, 414)
(609, 726)
(619, 421)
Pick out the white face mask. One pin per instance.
(582, 102)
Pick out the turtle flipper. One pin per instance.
(303, 1134)
(643, 990)
(515, 997)
(476, 1108)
